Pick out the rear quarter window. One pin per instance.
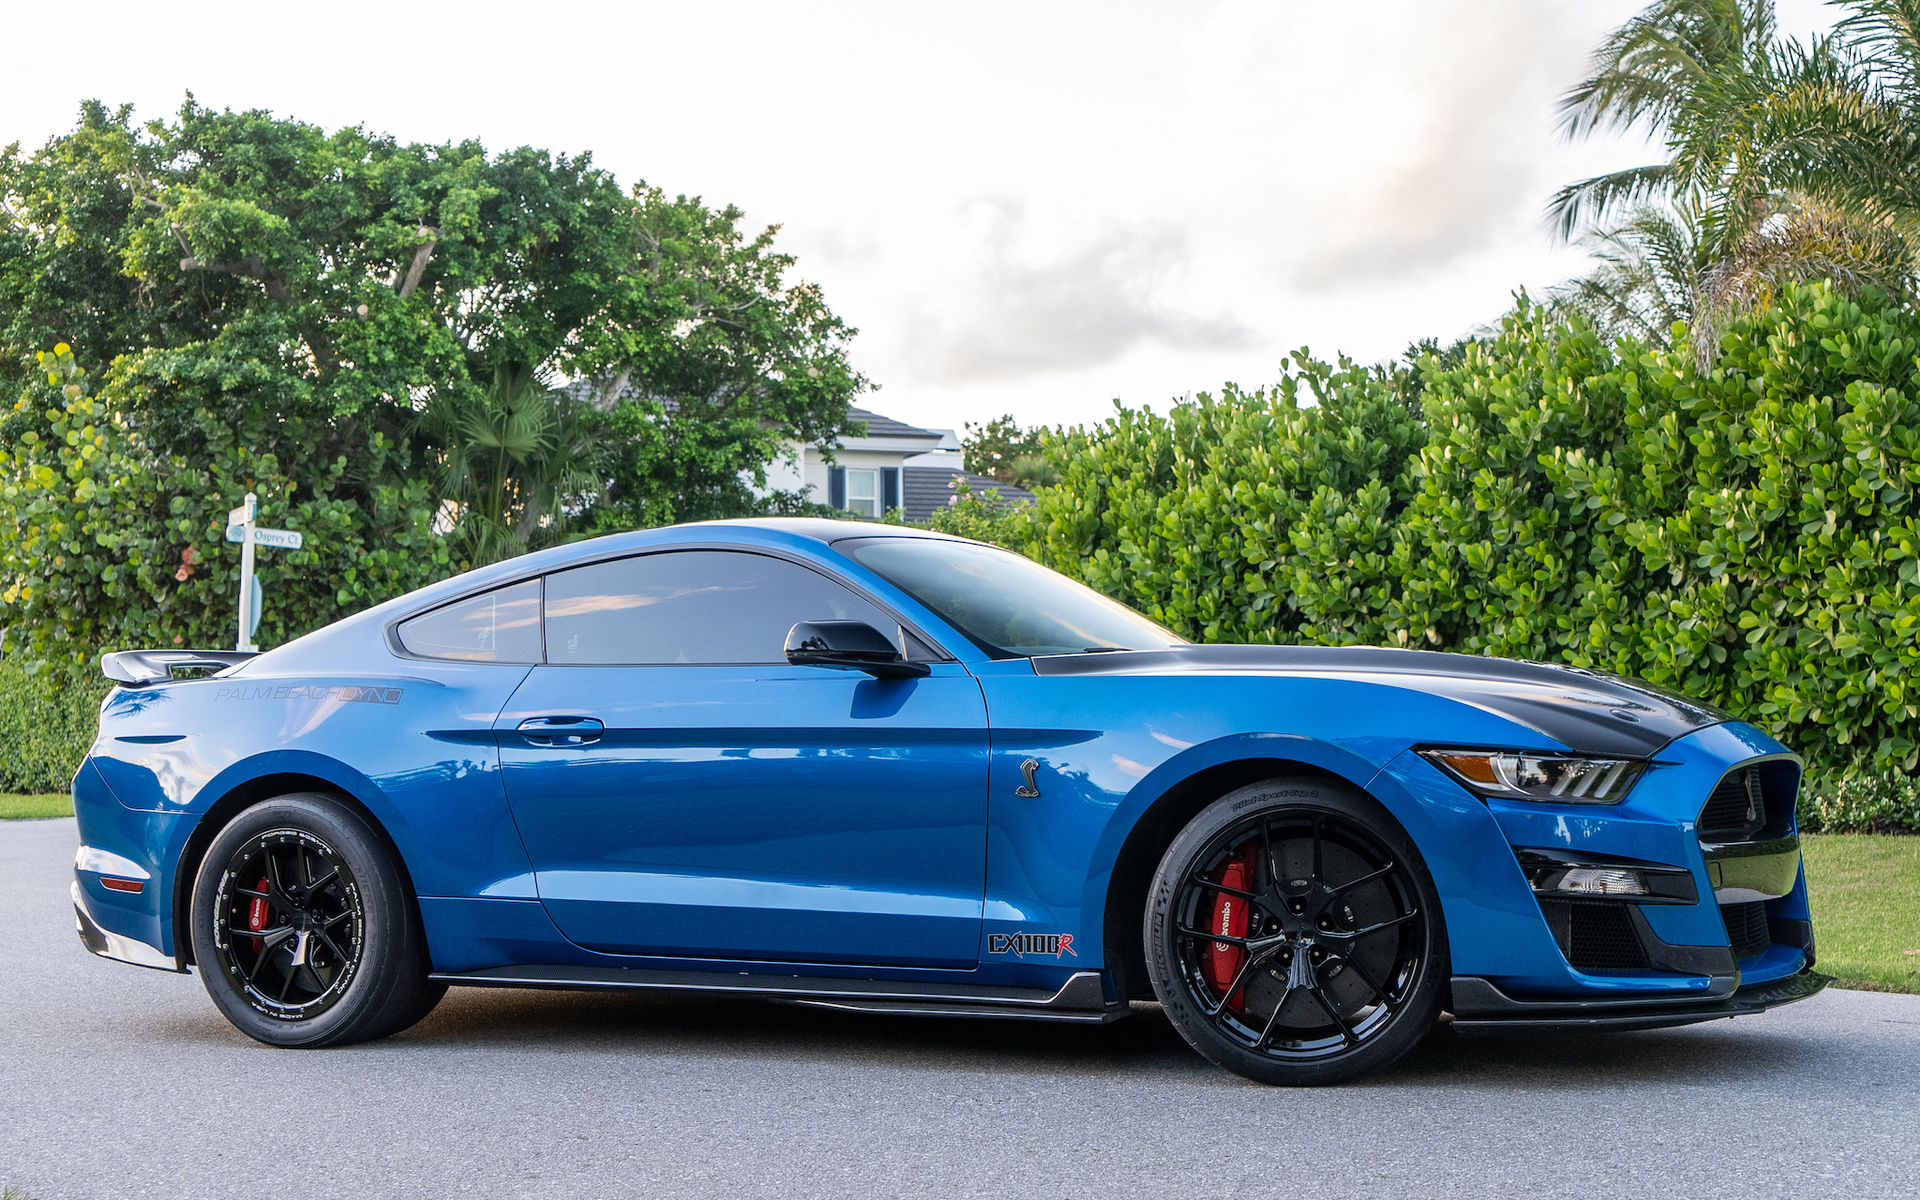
(498, 626)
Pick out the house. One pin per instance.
(895, 465)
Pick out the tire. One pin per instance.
(1340, 963)
(340, 955)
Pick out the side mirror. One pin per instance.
(854, 644)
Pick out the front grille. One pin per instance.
(1600, 936)
(1737, 809)
(1746, 928)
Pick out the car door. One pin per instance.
(685, 792)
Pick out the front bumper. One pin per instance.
(1481, 1007)
(1725, 916)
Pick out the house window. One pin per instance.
(863, 492)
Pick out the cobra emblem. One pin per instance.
(1030, 789)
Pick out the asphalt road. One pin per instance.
(119, 1082)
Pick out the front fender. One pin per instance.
(1487, 907)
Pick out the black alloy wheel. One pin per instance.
(1293, 935)
(289, 925)
(304, 929)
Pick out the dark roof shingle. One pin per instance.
(925, 489)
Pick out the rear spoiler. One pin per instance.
(141, 667)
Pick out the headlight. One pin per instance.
(1551, 778)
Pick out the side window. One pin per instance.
(500, 626)
(692, 606)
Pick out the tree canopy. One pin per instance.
(379, 338)
(239, 262)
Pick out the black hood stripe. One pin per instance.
(1588, 712)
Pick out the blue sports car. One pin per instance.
(874, 768)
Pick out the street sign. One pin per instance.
(279, 539)
(241, 529)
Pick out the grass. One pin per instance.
(1866, 908)
(14, 807)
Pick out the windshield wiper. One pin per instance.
(1104, 650)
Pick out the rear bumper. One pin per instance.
(117, 946)
(1481, 1007)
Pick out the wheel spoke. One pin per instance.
(1366, 977)
(1266, 852)
(1319, 867)
(286, 984)
(1350, 884)
(273, 875)
(269, 938)
(1221, 887)
(253, 894)
(1239, 981)
(331, 875)
(1273, 1021)
(1353, 935)
(1202, 934)
(339, 954)
(335, 919)
(1346, 1031)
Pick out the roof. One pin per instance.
(923, 490)
(886, 427)
(878, 426)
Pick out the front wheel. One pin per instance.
(303, 928)
(1294, 936)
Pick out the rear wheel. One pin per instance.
(1294, 936)
(304, 930)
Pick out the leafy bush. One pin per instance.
(47, 721)
(982, 516)
(108, 543)
(1860, 802)
(1748, 535)
(1244, 519)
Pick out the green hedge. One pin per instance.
(108, 543)
(47, 721)
(1746, 535)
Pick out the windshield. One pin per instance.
(1010, 607)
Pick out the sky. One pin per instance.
(1032, 208)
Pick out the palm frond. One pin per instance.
(1589, 201)
(1643, 74)
(1886, 33)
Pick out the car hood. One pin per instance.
(1585, 711)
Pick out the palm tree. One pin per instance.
(516, 460)
(1650, 266)
(1785, 163)
(1651, 74)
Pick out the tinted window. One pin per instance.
(500, 626)
(692, 606)
(1010, 606)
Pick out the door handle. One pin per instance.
(561, 731)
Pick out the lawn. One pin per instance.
(1866, 908)
(1866, 899)
(55, 804)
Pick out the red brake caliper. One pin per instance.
(257, 912)
(1229, 919)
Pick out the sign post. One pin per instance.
(242, 529)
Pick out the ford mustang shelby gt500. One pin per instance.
(873, 768)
